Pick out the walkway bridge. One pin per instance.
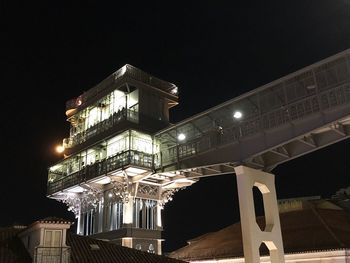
(287, 118)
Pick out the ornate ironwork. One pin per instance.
(81, 202)
(147, 189)
(72, 201)
(167, 195)
(120, 191)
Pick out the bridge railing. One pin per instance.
(311, 90)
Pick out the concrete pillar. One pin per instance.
(86, 223)
(247, 178)
(100, 215)
(97, 218)
(80, 224)
(114, 216)
(159, 215)
(128, 211)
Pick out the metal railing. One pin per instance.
(115, 79)
(313, 89)
(130, 157)
(52, 255)
(116, 118)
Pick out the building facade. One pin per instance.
(107, 176)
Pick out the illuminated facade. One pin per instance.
(123, 161)
(107, 177)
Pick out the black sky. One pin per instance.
(52, 51)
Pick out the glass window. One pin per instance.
(119, 100)
(91, 156)
(93, 117)
(133, 98)
(118, 144)
(141, 142)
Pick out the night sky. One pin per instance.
(52, 51)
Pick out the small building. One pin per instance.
(313, 230)
(51, 241)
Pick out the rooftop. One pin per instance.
(318, 226)
(11, 247)
(83, 249)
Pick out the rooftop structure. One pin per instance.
(50, 241)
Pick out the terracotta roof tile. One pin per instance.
(85, 249)
(11, 247)
(304, 230)
(54, 220)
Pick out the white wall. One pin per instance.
(332, 256)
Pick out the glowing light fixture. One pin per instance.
(110, 195)
(60, 148)
(174, 90)
(181, 137)
(237, 115)
(79, 101)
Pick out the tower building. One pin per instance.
(107, 176)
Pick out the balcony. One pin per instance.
(116, 79)
(124, 115)
(102, 167)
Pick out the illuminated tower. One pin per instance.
(107, 177)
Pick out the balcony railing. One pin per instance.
(130, 157)
(52, 255)
(129, 115)
(117, 78)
